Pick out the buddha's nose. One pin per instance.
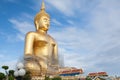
(48, 24)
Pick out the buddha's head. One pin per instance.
(42, 19)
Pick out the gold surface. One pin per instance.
(41, 53)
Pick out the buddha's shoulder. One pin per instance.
(31, 33)
(51, 38)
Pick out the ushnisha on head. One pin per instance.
(42, 19)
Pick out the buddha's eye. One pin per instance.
(45, 19)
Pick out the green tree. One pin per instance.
(47, 78)
(57, 78)
(11, 72)
(5, 68)
(88, 78)
(11, 77)
(2, 76)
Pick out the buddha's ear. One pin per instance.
(37, 25)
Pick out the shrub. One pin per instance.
(2, 76)
(27, 76)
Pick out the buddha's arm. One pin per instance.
(29, 43)
(56, 53)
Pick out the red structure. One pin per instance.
(97, 74)
(102, 73)
(92, 74)
(71, 72)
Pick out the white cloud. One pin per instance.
(55, 22)
(27, 16)
(13, 1)
(67, 6)
(70, 22)
(23, 25)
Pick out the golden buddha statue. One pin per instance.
(40, 48)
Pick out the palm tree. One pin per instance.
(11, 72)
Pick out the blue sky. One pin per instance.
(87, 32)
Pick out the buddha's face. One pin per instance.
(44, 23)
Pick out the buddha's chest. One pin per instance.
(42, 38)
(42, 41)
